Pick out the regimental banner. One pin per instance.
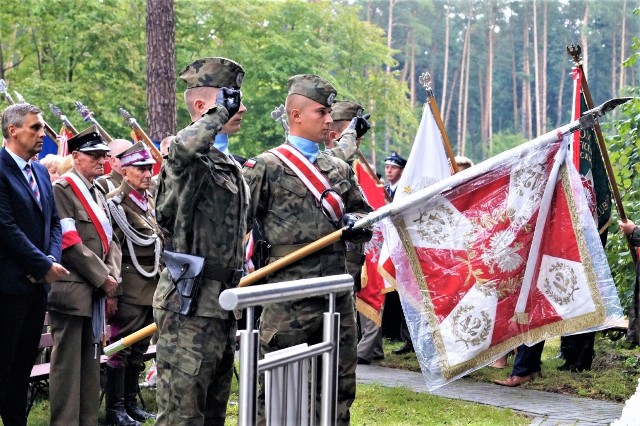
(588, 160)
(504, 253)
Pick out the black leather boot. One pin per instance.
(131, 378)
(116, 414)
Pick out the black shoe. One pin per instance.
(378, 357)
(363, 361)
(115, 408)
(405, 349)
(131, 393)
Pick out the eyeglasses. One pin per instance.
(97, 155)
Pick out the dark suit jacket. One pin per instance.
(27, 234)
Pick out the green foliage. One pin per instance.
(624, 151)
(503, 141)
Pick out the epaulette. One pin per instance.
(62, 183)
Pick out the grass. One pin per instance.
(374, 405)
(613, 377)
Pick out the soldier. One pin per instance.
(201, 207)
(133, 212)
(347, 130)
(291, 216)
(113, 180)
(76, 302)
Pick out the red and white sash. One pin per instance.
(96, 213)
(315, 182)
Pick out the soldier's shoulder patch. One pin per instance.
(250, 163)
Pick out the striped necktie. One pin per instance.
(32, 183)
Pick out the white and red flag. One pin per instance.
(426, 165)
(501, 254)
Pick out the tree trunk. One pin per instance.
(488, 104)
(527, 124)
(161, 69)
(543, 89)
(463, 70)
(584, 41)
(514, 83)
(387, 133)
(560, 96)
(536, 69)
(412, 72)
(614, 66)
(622, 47)
(447, 108)
(445, 76)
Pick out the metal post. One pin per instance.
(247, 410)
(329, 397)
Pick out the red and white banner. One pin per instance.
(370, 298)
(498, 255)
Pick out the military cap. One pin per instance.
(136, 155)
(87, 141)
(345, 110)
(213, 72)
(313, 87)
(395, 160)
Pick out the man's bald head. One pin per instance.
(118, 146)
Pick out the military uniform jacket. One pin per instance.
(289, 214)
(345, 146)
(109, 183)
(136, 289)
(202, 209)
(87, 262)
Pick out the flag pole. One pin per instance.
(425, 81)
(574, 50)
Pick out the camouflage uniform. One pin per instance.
(201, 206)
(345, 148)
(136, 290)
(290, 217)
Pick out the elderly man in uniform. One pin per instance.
(201, 207)
(76, 302)
(291, 217)
(113, 180)
(133, 215)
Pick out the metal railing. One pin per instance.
(288, 389)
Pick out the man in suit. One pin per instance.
(30, 239)
(76, 302)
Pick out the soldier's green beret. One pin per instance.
(312, 87)
(345, 110)
(213, 72)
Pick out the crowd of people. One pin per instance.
(130, 249)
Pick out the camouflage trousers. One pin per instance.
(291, 323)
(195, 365)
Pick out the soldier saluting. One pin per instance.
(201, 206)
(132, 211)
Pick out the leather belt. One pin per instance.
(285, 249)
(218, 273)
